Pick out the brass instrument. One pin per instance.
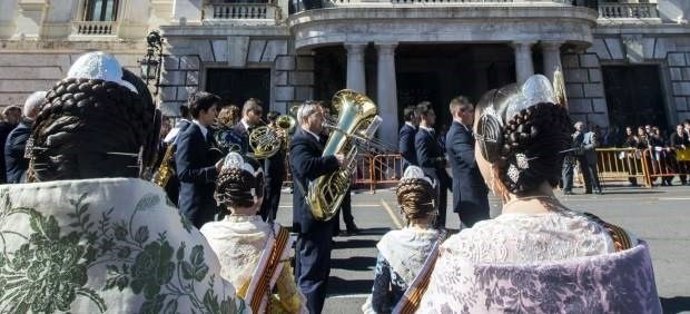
(357, 123)
(226, 140)
(266, 141)
(165, 171)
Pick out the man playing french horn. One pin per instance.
(313, 247)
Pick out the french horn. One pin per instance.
(267, 141)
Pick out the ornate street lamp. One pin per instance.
(150, 66)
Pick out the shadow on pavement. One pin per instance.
(351, 243)
(355, 263)
(675, 304)
(339, 286)
(608, 192)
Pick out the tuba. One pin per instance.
(357, 123)
(266, 140)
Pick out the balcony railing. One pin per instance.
(96, 28)
(449, 2)
(628, 11)
(241, 11)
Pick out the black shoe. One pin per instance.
(598, 192)
(588, 192)
(353, 230)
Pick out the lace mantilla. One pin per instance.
(525, 238)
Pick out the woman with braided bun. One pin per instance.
(86, 235)
(538, 256)
(254, 253)
(406, 256)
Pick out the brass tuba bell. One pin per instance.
(357, 123)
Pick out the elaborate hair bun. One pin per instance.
(240, 180)
(416, 193)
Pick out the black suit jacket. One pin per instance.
(307, 164)
(197, 174)
(469, 189)
(15, 163)
(431, 158)
(406, 138)
(5, 129)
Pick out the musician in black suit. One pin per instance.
(431, 158)
(197, 167)
(252, 111)
(470, 194)
(406, 137)
(274, 172)
(16, 163)
(314, 240)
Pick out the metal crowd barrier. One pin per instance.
(613, 165)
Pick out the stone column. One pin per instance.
(57, 22)
(8, 8)
(387, 93)
(133, 19)
(551, 50)
(355, 67)
(524, 67)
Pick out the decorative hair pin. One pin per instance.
(416, 173)
(235, 160)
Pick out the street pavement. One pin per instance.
(661, 216)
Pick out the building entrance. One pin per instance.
(633, 96)
(235, 86)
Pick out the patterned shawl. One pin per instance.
(620, 282)
(97, 245)
(406, 250)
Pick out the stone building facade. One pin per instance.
(624, 61)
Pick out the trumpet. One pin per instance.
(267, 140)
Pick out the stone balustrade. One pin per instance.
(241, 11)
(96, 28)
(446, 2)
(628, 10)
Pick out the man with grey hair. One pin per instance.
(15, 162)
(314, 240)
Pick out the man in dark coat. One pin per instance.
(470, 194)
(406, 137)
(251, 118)
(197, 168)
(12, 115)
(314, 240)
(432, 160)
(15, 162)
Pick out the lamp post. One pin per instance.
(150, 66)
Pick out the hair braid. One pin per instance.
(234, 187)
(533, 142)
(81, 122)
(416, 197)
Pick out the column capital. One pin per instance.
(523, 44)
(551, 44)
(386, 48)
(355, 47)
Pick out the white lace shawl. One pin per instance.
(239, 242)
(524, 238)
(406, 250)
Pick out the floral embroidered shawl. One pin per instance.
(620, 282)
(97, 245)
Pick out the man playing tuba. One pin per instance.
(313, 248)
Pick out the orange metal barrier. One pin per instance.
(387, 169)
(364, 173)
(620, 164)
(661, 163)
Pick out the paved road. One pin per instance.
(660, 215)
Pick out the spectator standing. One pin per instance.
(15, 162)
(12, 115)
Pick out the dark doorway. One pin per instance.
(633, 95)
(237, 85)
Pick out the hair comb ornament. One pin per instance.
(416, 173)
(99, 65)
(235, 160)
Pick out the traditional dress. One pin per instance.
(402, 254)
(556, 262)
(243, 244)
(97, 245)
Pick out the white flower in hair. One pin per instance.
(417, 173)
(235, 160)
(537, 89)
(99, 65)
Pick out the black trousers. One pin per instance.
(269, 208)
(346, 209)
(441, 203)
(313, 264)
(569, 167)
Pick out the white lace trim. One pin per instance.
(525, 238)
